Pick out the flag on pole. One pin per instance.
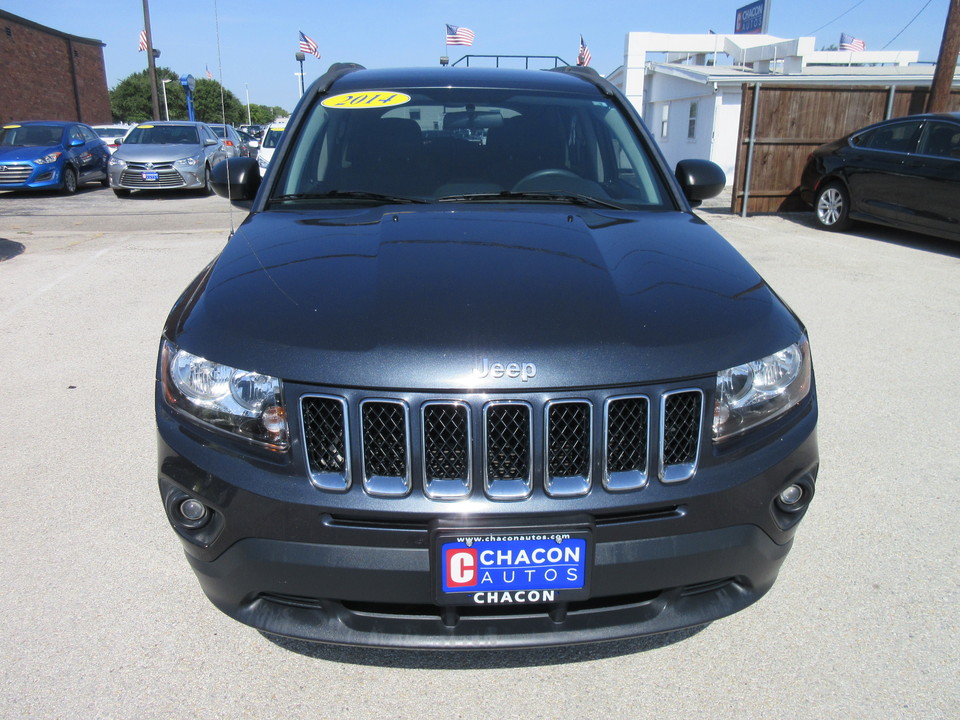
(143, 40)
(308, 46)
(849, 42)
(209, 74)
(584, 57)
(459, 35)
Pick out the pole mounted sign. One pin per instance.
(753, 18)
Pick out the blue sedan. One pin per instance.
(51, 155)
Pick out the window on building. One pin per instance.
(664, 120)
(692, 122)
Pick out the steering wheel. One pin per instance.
(557, 174)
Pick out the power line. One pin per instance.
(907, 25)
(814, 32)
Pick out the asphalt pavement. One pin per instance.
(102, 617)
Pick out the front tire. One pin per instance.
(207, 188)
(831, 207)
(69, 180)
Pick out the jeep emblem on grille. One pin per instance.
(522, 370)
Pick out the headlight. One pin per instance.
(46, 159)
(754, 393)
(117, 162)
(188, 162)
(240, 402)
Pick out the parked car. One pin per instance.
(249, 144)
(51, 155)
(169, 155)
(268, 144)
(440, 393)
(903, 172)
(255, 130)
(112, 134)
(229, 137)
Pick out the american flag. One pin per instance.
(143, 40)
(584, 57)
(849, 42)
(459, 35)
(209, 74)
(307, 45)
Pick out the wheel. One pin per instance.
(207, 188)
(69, 180)
(121, 192)
(831, 207)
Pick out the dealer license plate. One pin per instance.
(515, 567)
(151, 176)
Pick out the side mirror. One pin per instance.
(76, 142)
(237, 179)
(254, 144)
(208, 141)
(118, 141)
(700, 180)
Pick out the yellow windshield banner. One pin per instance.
(144, 127)
(366, 99)
(10, 127)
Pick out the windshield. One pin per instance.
(272, 137)
(481, 145)
(163, 135)
(30, 135)
(111, 132)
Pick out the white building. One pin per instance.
(688, 87)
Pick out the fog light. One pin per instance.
(193, 510)
(791, 496)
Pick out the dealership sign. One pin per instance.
(753, 18)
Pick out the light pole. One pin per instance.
(300, 58)
(247, 86)
(166, 110)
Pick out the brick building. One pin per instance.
(46, 74)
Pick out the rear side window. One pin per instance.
(899, 137)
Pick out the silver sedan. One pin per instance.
(165, 156)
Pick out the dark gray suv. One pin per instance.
(472, 374)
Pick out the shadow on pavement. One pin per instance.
(9, 249)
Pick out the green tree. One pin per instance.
(130, 101)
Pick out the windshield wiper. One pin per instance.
(573, 198)
(346, 195)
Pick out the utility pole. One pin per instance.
(151, 65)
(939, 100)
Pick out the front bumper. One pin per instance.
(167, 178)
(285, 558)
(29, 176)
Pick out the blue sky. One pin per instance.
(258, 38)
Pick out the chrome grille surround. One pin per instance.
(167, 176)
(442, 444)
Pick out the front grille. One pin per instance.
(167, 176)
(561, 447)
(15, 173)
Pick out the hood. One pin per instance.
(26, 154)
(430, 297)
(156, 153)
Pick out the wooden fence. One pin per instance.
(792, 121)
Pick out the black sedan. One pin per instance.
(903, 172)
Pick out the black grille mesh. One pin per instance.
(627, 434)
(445, 439)
(323, 426)
(384, 439)
(681, 426)
(569, 440)
(508, 442)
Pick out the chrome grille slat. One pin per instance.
(556, 447)
(15, 173)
